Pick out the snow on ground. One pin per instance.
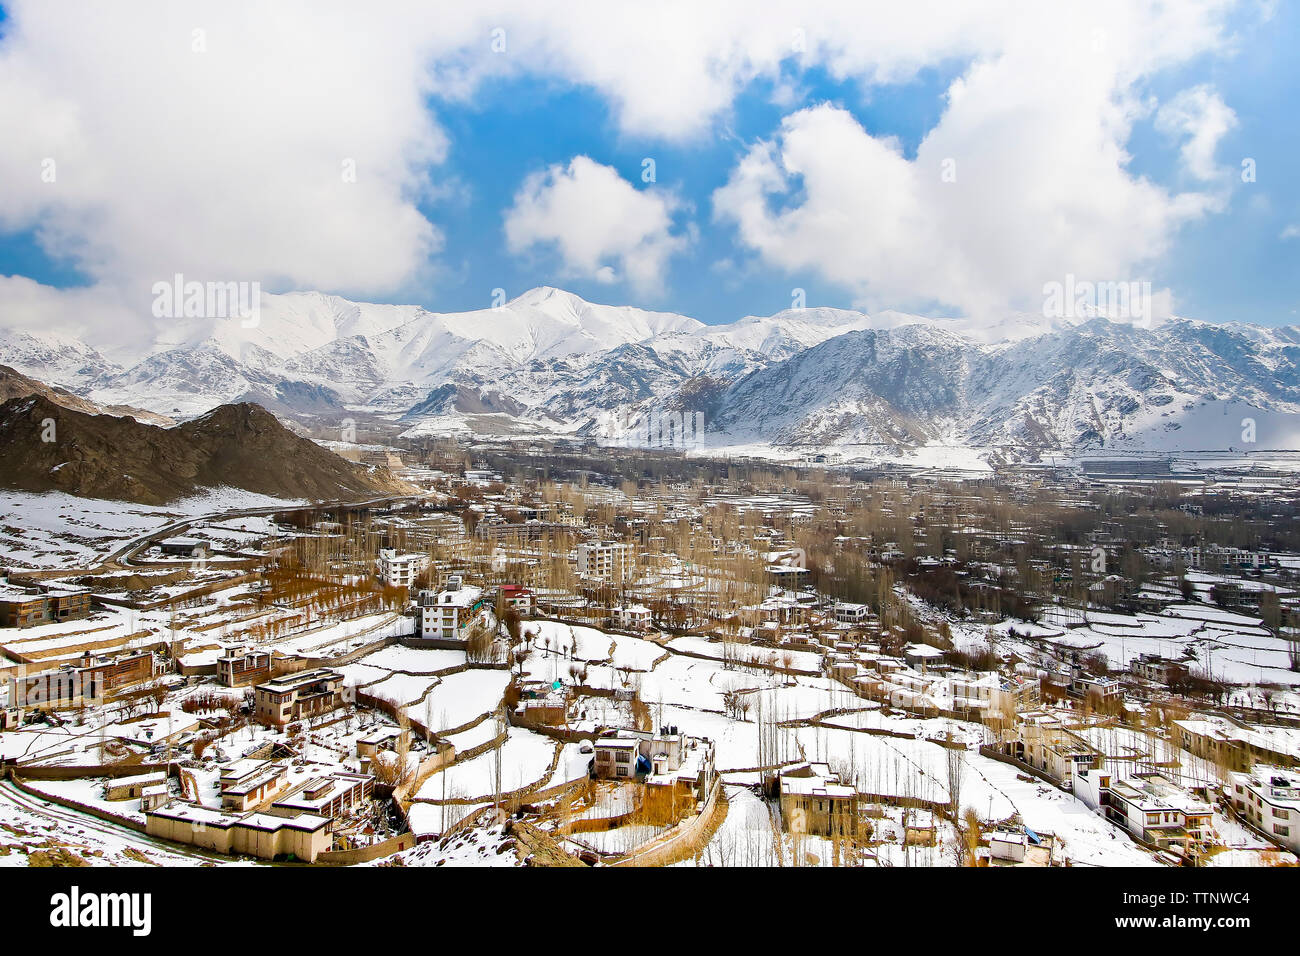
(89, 791)
(426, 818)
(1227, 646)
(460, 698)
(400, 689)
(575, 641)
(482, 846)
(476, 736)
(573, 765)
(58, 530)
(525, 759)
(413, 660)
(765, 656)
(358, 674)
(1087, 837)
(635, 653)
(747, 835)
(33, 829)
(344, 636)
(691, 682)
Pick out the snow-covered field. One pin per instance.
(57, 530)
(1217, 643)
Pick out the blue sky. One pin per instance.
(1228, 261)
(543, 125)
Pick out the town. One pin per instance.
(551, 653)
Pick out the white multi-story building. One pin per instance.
(1214, 557)
(400, 569)
(1269, 797)
(849, 613)
(631, 617)
(605, 560)
(1149, 805)
(448, 613)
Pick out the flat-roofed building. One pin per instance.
(1269, 798)
(298, 696)
(183, 547)
(846, 612)
(20, 608)
(616, 757)
(605, 560)
(1149, 806)
(91, 680)
(448, 613)
(32, 607)
(132, 788)
(1098, 691)
(1042, 742)
(265, 835)
(631, 617)
(1237, 745)
(1161, 670)
(815, 801)
(241, 669)
(400, 569)
(328, 794)
(249, 782)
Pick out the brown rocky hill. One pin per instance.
(14, 384)
(47, 447)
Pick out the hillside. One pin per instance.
(50, 447)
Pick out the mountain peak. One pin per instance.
(540, 295)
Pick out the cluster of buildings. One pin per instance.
(1135, 790)
(919, 685)
(268, 809)
(92, 679)
(1225, 741)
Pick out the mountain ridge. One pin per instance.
(549, 360)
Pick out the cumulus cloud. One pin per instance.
(601, 225)
(226, 141)
(218, 139)
(1023, 181)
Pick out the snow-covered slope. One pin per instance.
(549, 360)
(1095, 384)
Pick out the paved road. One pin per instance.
(124, 552)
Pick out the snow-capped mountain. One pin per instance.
(54, 358)
(550, 361)
(1100, 384)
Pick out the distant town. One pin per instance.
(558, 654)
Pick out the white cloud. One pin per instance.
(1039, 187)
(227, 164)
(601, 225)
(1291, 232)
(1200, 115)
(226, 161)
